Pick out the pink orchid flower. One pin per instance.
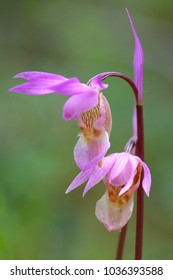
(86, 104)
(122, 174)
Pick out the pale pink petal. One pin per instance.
(79, 103)
(98, 173)
(89, 153)
(111, 215)
(120, 161)
(96, 82)
(123, 176)
(38, 83)
(73, 86)
(138, 61)
(99, 123)
(146, 183)
(80, 179)
(32, 88)
(133, 163)
(41, 76)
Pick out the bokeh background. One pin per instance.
(80, 38)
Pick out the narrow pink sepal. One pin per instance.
(39, 83)
(79, 179)
(138, 61)
(146, 183)
(31, 89)
(36, 75)
(98, 174)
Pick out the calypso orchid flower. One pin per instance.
(86, 104)
(122, 175)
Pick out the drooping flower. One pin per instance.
(122, 174)
(86, 104)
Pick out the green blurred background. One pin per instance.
(80, 38)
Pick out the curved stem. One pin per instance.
(105, 75)
(140, 192)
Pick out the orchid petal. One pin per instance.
(79, 179)
(138, 60)
(89, 153)
(32, 88)
(134, 163)
(74, 86)
(120, 160)
(146, 182)
(96, 82)
(35, 75)
(113, 216)
(98, 173)
(79, 103)
(123, 177)
(39, 84)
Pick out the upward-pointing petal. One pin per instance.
(138, 60)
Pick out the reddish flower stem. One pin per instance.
(106, 75)
(140, 192)
(140, 195)
(122, 236)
